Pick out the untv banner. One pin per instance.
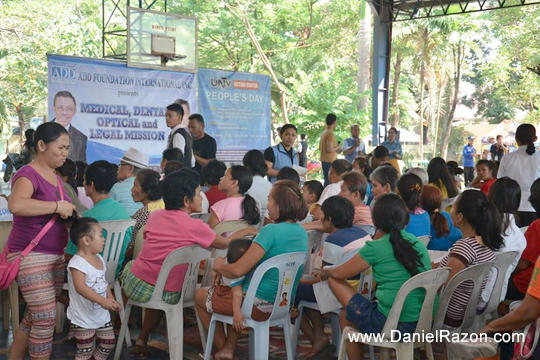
(108, 107)
(236, 109)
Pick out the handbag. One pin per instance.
(9, 270)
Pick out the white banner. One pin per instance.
(108, 107)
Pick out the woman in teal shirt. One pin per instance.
(286, 207)
(395, 257)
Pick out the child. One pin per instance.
(212, 173)
(312, 191)
(486, 171)
(354, 188)
(238, 205)
(237, 248)
(409, 188)
(89, 293)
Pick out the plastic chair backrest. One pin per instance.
(314, 241)
(431, 281)
(370, 229)
(502, 262)
(203, 216)
(425, 239)
(230, 226)
(288, 266)
(447, 202)
(190, 255)
(139, 241)
(114, 242)
(5, 229)
(475, 273)
(524, 229)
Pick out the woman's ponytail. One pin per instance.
(250, 210)
(483, 216)
(390, 215)
(440, 224)
(526, 135)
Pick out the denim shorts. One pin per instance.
(369, 320)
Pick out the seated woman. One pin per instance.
(409, 187)
(344, 237)
(167, 230)
(146, 190)
(505, 194)
(486, 171)
(286, 207)
(443, 233)
(480, 224)
(238, 205)
(354, 188)
(517, 287)
(395, 257)
(383, 180)
(441, 178)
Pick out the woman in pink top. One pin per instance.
(238, 205)
(34, 199)
(167, 230)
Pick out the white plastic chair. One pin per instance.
(524, 229)
(502, 262)
(513, 306)
(288, 266)
(203, 216)
(447, 202)
(10, 297)
(230, 226)
(114, 241)
(139, 242)
(425, 239)
(476, 274)
(192, 256)
(365, 278)
(431, 281)
(370, 229)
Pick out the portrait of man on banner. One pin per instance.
(65, 108)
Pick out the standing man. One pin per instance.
(65, 108)
(491, 141)
(130, 165)
(393, 146)
(179, 137)
(302, 151)
(204, 146)
(498, 149)
(327, 146)
(354, 146)
(469, 152)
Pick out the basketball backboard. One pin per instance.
(159, 40)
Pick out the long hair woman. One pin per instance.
(34, 200)
(523, 165)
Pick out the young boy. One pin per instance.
(89, 293)
(312, 190)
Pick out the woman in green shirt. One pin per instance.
(395, 257)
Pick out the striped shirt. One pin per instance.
(362, 215)
(469, 252)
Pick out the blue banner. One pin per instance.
(236, 109)
(108, 107)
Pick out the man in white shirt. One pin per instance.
(179, 137)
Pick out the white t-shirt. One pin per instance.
(260, 190)
(514, 240)
(330, 190)
(523, 168)
(81, 311)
